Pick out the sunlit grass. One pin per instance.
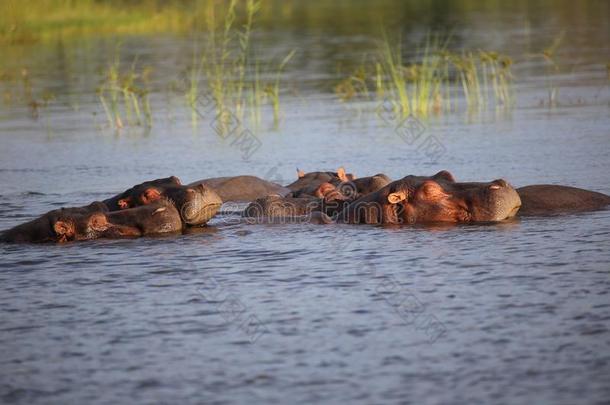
(220, 70)
(124, 95)
(435, 82)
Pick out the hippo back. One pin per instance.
(242, 188)
(548, 199)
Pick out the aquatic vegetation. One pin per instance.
(18, 89)
(435, 81)
(548, 55)
(219, 70)
(124, 95)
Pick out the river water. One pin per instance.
(296, 313)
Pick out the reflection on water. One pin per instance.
(237, 312)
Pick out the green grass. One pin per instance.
(433, 83)
(220, 69)
(124, 95)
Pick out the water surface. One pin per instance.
(508, 313)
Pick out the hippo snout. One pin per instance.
(505, 199)
(201, 205)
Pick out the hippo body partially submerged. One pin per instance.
(242, 188)
(547, 199)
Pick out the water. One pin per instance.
(516, 312)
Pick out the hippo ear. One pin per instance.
(444, 175)
(341, 174)
(124, 203)
(395, 198)
(323, 189)
(300, 173)
(98, 222)
(175, 180)
(150, 195)
(63, 229)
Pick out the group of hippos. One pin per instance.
(165, 205)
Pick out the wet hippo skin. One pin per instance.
(242, 188)
(48, 227)
(415, 200)
(547, 199)
(197, 204)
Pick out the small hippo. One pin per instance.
(242, 188)
(274, 206)
(308, 182)
(546, 199)
(326, 198)
(54, 226)
(95, 221)
(196, 204)
(156, 218)
(415, 199)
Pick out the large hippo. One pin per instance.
(242, 188)
(328, 198)
(365, 185)
(197, 204)
(547, 199)
(414, 199)
(54, 226)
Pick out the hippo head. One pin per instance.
(79, 227)
(434, 201)
(134, 197)
(314, 179)
(196, 204)
(416, 199)
(329, 192)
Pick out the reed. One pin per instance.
(435, 82)
(124, 95)
(222, 69)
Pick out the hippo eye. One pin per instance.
(494, 187)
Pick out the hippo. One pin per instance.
(367, 185)
(54, 226)
(326, 199)
(352, 190)
(306, 183)
(274, 206)
(96, 221)
(242, 188)
(197, 204)
(547, 199)
(157, 218)
(414, 199)
(128, 198)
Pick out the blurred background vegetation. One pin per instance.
(424, 57)
(42, 20)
